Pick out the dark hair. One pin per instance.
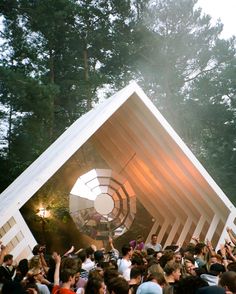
(135, 272)
(137, 260)
(231, 266)
(216, 269)
(159, 277)
(125, 249)
(89, 251)
(228, 279)
(82, 255)
(29, 283)
(153, 235)
(189, 258)
(190, 249)
(171, 267)
(189, 285)
(150, 251)
(95, 274)
(38, 249)
(23, 266)
(12, 287)
(199, 247)
(93, 285)
(118, 285)
(109, 274)
(71, 263)
(7, 257)
(167, 256)
(65, 274)
(156, 252)
(22, 270)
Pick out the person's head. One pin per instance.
(150, 251)
(137, 260)
(154, 239)
(200, 248)
(109, 274)
(38, 249)
(35, 261)
(68, 276)
(8, 259)
(139, 239)
(228, 281)
(173, 269)
(155, 268)
(29, 282)
(95, 286)
(96, 273)
(23, 266)
(136, 274)
(188, 250)
(166, 257)
(178, 257)
(158, 278)
(89, 252)
(127, 250)
(216, 258)
(71, 263)
(190, 285)
(189, 267)
(98, 256)
(232, 266)
(118, 286)
(158, 255)
(36, 273)
(216, 269)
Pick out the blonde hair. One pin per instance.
(35, 262)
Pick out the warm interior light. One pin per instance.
(42, 212)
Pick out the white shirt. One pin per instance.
(88, 265)
(124, 267)
(156, 247)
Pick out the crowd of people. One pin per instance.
(139, 268)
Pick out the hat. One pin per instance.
(98, 255)
(149, 288)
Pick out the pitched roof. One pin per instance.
(136, 141)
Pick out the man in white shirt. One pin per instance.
(153, 244)
(85, 256)
(124, 264)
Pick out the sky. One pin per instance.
(223, 9)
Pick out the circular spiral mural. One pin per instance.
(102, 203)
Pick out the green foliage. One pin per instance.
(57, 55)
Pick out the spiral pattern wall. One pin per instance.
(102, 203)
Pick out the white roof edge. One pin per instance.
(184, 147)
(33, 175)
(75, 136)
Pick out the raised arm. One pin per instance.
(3, 250)
(223, 254)
(57, 259)
(115, 251)
(231, 235)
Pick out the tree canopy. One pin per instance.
(57, 56)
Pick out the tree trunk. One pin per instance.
(86, 78)
(51, 98)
